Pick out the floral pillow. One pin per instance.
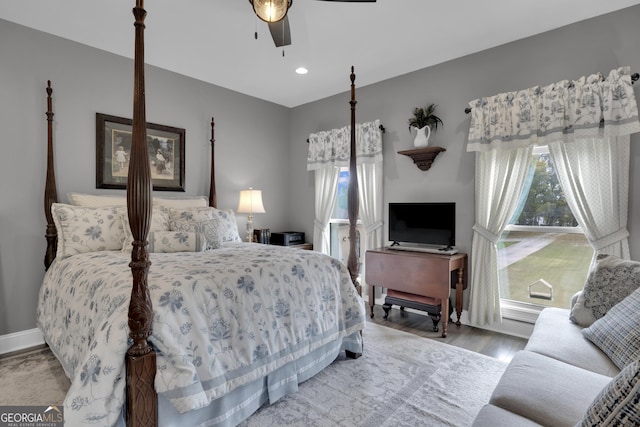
(159, 222)
(611, 280)
(175, 241)
(87, 229)
(228, 225)
(203, 221)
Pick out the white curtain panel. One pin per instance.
(370, 184)
(331, 150)
(593, 173)
(326, 179)
(500, 177)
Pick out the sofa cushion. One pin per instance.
(554, 335)
(619, 403)
(547, 391)
(618, 333)
(610, 281)
(493, 416)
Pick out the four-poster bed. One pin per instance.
(92, 288)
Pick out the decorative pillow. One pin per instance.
(86, 229)
(182, 202)
(618, 404)
(203, 221)
(92, 200)
(228, 225)
(609, 282)
(159, 222)
(175, 241)
(618, 333)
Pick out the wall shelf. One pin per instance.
(423, 157)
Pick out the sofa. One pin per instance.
(581, 365)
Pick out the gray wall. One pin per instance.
(251, 143)
(269, 150)
(596, 45)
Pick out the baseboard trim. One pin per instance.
(20, 340)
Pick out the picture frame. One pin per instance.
(166, 147)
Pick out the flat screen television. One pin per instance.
(423, 223)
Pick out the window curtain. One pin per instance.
(562, 116)
(594, 174)
(328, 152)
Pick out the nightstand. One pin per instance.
(304, 246)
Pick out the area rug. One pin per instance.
(35, 378)
(401, 380)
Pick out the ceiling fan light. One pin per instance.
(271, 10)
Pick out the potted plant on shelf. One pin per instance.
(425, 121)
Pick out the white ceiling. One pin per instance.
(213, 40)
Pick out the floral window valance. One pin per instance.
(334, 146)
(589, 107)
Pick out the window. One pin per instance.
(543, 256)
(339, 223)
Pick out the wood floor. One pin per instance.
(494, 344)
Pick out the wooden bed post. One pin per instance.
(142, 400)
(352, 194)
(50, 191)
(213, 200)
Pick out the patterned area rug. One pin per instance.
(400, 380)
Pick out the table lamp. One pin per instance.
(250, 203)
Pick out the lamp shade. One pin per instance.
(250, 201)
(271, 10)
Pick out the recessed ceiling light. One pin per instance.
(301, 70)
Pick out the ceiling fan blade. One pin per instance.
(280, 32)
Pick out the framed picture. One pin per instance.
(113, 148)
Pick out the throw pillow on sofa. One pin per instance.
(617, 404)
(609, 282)
(618, 333)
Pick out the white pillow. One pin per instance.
(87, 229)
(182, 202)
(159, 222)
(92, 200)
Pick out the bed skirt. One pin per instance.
(233, 408)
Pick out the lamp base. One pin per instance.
(250, 228)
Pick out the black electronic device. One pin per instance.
(287, 238)
(423, 223)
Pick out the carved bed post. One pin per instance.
(142, 401)
(352, 194)
(213, 200)
(50, 191)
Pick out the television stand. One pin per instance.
(422, 274)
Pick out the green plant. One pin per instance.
(425, 117)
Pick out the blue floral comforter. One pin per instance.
(222, 318)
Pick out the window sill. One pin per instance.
(520, 311)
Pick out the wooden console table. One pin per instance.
(419, 273)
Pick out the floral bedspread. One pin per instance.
(222, 318)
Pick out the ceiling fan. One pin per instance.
(274, 13)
